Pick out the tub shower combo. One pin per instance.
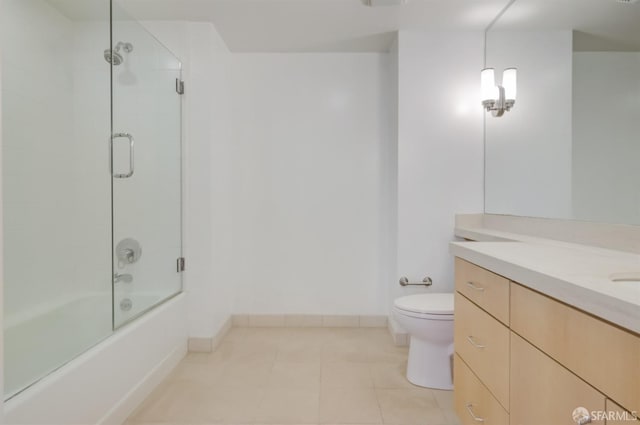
(92, 157)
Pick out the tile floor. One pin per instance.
(296, 376)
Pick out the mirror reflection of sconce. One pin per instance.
(498, 98)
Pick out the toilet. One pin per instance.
(428, 318)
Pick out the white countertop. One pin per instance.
(577, 275)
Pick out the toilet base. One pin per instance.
(430, 365)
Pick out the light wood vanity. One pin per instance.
(523, 358)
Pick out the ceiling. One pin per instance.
(306, 25)
(598, 24)
(349, 26)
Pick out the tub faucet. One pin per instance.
(126, 278)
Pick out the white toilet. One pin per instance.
(428, 318)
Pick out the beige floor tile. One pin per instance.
(410, 407)
(235, 334)
(289, 406)
(444, 399)
(177, 401)
(346, 375)
(199, 358)
(349, 406)
(203, 372)
(340, 352)
(294, 375)
(244, 375)
(233, 405)
(452, 417)
(299, 353)
(270, 337)
(390, 375)
(245, 351)
(363, 345)
(301, 345)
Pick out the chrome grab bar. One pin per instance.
(474, 343)
(131, 143)
(469, 407)
(475, 287)
(425, 282)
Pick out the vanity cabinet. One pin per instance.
(618, 415)
(536, 358)
(543, 391)
(483, 343)
(486, 289)
(473, 401)
(602, 354)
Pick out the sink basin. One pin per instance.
(625, 277)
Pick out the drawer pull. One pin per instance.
(469, 407)
(475, 287)
(474, 343)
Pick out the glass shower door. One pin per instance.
(146, 170)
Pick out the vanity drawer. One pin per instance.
(489, 290)
(483, 343)
(471, 398)
(544, 392)
(600, 353)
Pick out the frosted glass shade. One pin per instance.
(488, 86)
(510, 83)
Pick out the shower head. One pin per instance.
(114, 57)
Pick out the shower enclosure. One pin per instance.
(91, 173)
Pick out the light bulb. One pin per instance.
(488, 84)
(510, 83)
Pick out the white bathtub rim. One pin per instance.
(51, 379)
(17, 319)
(134, 398)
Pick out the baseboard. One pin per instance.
(400, 336)
(307, 321)
(207, 345)
(134, 398)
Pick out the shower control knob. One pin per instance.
(128, 251)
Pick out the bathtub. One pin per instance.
(107, 380)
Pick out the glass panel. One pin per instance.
(147, 169)
(56, 184)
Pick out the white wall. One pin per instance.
(207, 169)
(605, 144)
(440, 149)
(209, 273)
(528, 150)
(310, 163)
(1, 231)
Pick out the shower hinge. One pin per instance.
(179, 86)
(180, 264)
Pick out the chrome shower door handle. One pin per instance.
(129, 137)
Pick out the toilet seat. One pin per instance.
(437, 306)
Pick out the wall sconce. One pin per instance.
(498, 98)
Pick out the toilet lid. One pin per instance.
(426, 303)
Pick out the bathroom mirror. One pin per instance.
(569, 148)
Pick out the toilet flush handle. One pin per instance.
(425, 282)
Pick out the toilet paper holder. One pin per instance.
(425, 282)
